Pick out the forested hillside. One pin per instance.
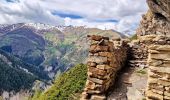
(69, 85)
(16, 75)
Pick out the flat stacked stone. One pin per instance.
(103, 63)
(158, 87)
(139, 48)
(139, 53)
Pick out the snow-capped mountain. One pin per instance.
(41, 26)
(37, 26)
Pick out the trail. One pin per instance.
(129, 85)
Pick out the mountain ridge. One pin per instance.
(50, 50)
(47, 45)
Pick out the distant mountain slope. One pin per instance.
(24, 43)
(16, 75)
(52, 48)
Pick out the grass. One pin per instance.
(134, 37)
(51, 37)
(144, 99)
(142, 71)
(67, 85)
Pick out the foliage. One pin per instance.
(142, 71)
(12, 79)
(157, 1)
(67, 84)
(1, 98)
(16, 75)
(134, 37)
(18, 63)
(36, 94)
(25, 44)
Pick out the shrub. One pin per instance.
(134, 37)
(67, 84)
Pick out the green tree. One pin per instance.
(67, 84)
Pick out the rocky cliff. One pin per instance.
(157, 19)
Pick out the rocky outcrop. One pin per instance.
(160, 7)
(105, 59)
(23, 95)
(157, 19)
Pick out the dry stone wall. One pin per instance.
(139, 49)
(153, 52)
(157, 21)
(138, 53)
(158, 87)
(105, 59)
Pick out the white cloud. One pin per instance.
(114, 9)
(26, 11)
(127, 12)
(91, 24)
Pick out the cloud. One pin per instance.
(122, 15)
(91, 24)
(100, 9)
(27, 11)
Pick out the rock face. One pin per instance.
(105, 59)
(157, 19)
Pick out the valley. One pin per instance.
(43, 52)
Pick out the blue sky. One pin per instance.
(65, 14)
(121, 15)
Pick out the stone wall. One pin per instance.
(138, 53)
(153, 52)
(139, 48)
(105, 59)
(157, 21)
(158, 87)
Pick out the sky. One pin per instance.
(120, 15)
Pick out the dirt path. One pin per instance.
(130, 85)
